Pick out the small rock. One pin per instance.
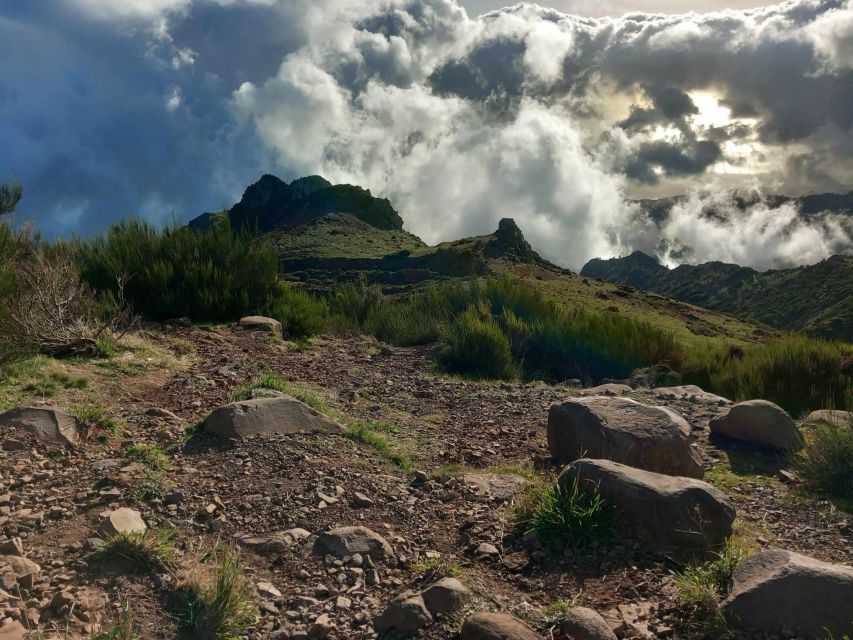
(407, 613)
(581, 623)
(496, 626)
(446, 596)
(122, 520)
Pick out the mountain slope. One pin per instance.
(816, 298)
(327, 234)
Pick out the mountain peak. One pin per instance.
(508, 241)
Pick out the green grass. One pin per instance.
(150, 455)
(556, 611)
(566, 516)
(825, 465)
(372, 433)
(149, 488)
(123, 629)
(92, 415)
(271, 381)
(219, 598)
(700, 589)
(152, 551)
(475, 345)
(435, 568)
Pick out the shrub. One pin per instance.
(797, 372)
(49, 310)
(354, 302)
(567, 515)
(474, 345)
(301, 315)
(10, 195)
(219, 598)
(211, 274)
(825, 465)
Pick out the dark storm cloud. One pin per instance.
(173, 106)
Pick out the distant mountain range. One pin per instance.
(816, 298)
(326, 234)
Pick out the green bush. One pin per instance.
(797, 372)
(214, 274)
(567, 515)
(474, 345)
(825, 465)
(301, 315)
(10, 195)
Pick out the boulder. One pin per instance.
(261, 323)
(347, 541)
(609, 389)
(14, 569)
(625, 431)
(446, 596)
(406, 613)
(666, 510)
(775, 589)
(581, 623)
(831, 416)
(690, 393)
(496, 626)
(761, 423)
(122, 520)
(493, 486)
(269, 416)
(49, 424)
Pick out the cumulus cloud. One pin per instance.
(527, 112)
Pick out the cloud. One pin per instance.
(525, 112)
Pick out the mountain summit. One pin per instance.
(271, 203)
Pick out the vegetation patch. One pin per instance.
(373, 433)
(825, 465)
(150, 455)
(566, 516)
(151, 551)
(271, 381)
(92, 415)
(217, 600)
(702, 587)
(123, 629)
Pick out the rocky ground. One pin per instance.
(445, 506)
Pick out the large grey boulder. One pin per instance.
(625, 431)
(779, 590)
(761, 423)
(831, 416)
(347, 541)
(496, 626)
(665, 510)
(261, 323)
(285, 415)
(49, 424)
(581, 623)
(690, 393)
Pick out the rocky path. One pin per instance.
(449, 512)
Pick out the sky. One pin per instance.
(558, 116)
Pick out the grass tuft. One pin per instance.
(219, 598)
(371, 433)
(150, 455)
(123, 629)
(94, 416)
(567, 516)
(701, 588)
(152, 551)
(271, 381)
